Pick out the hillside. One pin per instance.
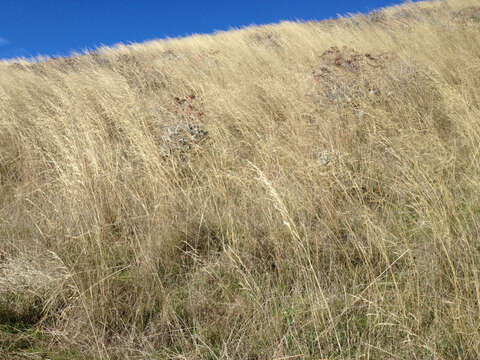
(293, 191)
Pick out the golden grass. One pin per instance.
(331, 212)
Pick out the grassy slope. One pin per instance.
(331, 212)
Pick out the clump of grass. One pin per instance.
(297, 190)
(28, 283)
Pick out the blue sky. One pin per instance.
(57, 27)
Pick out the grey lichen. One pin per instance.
(181, 138)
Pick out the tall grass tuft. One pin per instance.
(304, 190)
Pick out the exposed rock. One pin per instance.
(169, 55)
(181, 138)
(326, 157)
(468, 14)
(377, 16)
(345, 74)
(266, 38)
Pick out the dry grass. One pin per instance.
(302, 190)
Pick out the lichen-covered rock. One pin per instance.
(181, 138)
(468, 14)
(345, 74)
(326, 157)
